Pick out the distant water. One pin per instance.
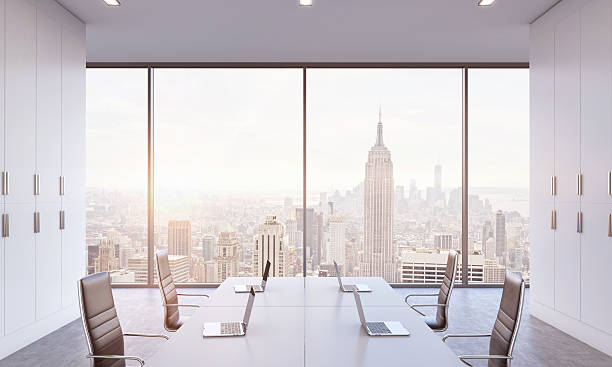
(505, 199)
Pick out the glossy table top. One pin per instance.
(304, 322)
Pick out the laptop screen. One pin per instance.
(266, 271)
(359, 307)
(247, 312)
(338, 273)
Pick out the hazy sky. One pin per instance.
(241, 129)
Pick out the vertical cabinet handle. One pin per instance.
(610, 225)
(62, 220)
(36, 222)
(5, 225)
(579, 184)
(37, 184)
(610, 183)
(579, 222)
(5, 183)
(553, 220)
(61, 185)
(553, 185)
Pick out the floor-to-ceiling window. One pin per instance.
(384, 171)
(383, 163)
(498, 235)
(117, 173)
(228, 171)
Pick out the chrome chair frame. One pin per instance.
(92, 356)
(446, 306)
(166, 305)
(508, 357)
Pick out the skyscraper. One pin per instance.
(208, 247)
(379, 250)
(227, 256)
(500, 237)
(438, 177)
(107, 259)
(336, 241)
(269, 245)
(179, 238)
(487, 232)
(309, 246)
(443, 241)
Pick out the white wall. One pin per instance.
(571, 137)
(42, 97)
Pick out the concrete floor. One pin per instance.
(472, 311)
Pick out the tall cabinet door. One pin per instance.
(19, 284)
(48, 166)
(20, 109)
(73, 160)
(567, 165)
(2, 17)
(567, 107)
(20, 100)
(49, 113)
(596, 66)
(542, 126)
(596, 255)
(567, 260)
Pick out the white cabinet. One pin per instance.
(20, 108)
(41, 48)
(19, 281)
(581, 98)
(49, 113)
(542, 245)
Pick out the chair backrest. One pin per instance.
(448, 283)
(100, 321)
(508, 319)
(172, 317)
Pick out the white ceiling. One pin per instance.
(329, 31)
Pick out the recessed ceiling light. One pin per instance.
(112, 2)
(485, 2)
(305, 2)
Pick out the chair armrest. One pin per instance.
(147, 335)
(465, 336)
(427, 305)
(112, 356)
(193, 295)
(179, 305)
(420, 295)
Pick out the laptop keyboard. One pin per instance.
(230, 328)
(378, 328)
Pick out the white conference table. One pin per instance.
(304, 322)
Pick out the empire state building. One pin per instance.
(378, 257)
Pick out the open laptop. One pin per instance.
(379, 328)
(246, 288)
(350, 287)
(231, 328)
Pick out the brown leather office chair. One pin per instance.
(440, 322)
(506, 325)
(101, 325)
(172, 317)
